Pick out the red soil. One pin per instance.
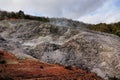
(29, 69)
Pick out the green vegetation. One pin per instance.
(20, 15)
(107, 28)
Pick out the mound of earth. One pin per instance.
(13, 68)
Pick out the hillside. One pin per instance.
(64, 42)
(113, 28)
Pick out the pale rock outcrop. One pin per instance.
(66, 45)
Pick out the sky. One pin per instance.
(88, 11)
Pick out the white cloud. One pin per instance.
(53, 8)
(108, 13)
(90, 11)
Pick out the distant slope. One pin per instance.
(107, 28)
(20, 15)
(4, 15)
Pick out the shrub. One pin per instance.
(108, 28)
(20, 15)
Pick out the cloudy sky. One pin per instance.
(89, 11)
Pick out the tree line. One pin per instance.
(20, 15)
(107, 28)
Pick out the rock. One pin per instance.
(73, 46)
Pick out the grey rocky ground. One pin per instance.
(65, 44)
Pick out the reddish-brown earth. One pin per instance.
(12, 68)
